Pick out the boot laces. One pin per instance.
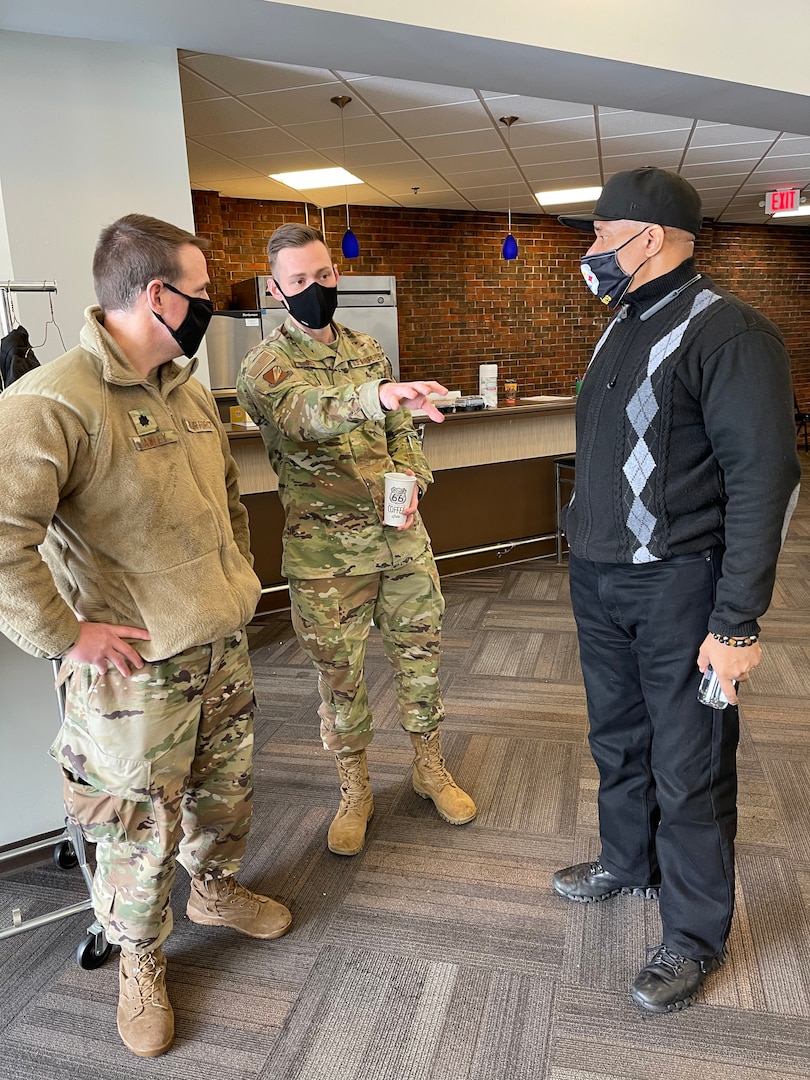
(670, 960)
(435, 763)
(230, 891)
(147, 974)
(353, 788)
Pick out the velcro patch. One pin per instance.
(275, 375)
(156, 438)
(199, 425)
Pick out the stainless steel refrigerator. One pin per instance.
(365, 303)
(230, 336)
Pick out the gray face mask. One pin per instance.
(605, 278)
(191, 331)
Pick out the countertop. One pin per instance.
(503, 410)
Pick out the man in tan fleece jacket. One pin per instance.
(124, 549)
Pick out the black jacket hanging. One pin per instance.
(16, 356)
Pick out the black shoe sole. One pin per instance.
(649, 892)
(659, 1010)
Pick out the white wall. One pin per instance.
(90, 131)
(739, 40)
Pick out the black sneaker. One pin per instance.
(671, 982)
(587, 882)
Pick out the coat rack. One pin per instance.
(8, 287)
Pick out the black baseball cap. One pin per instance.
(651, 195)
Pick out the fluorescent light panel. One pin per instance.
(793, 213)
(572, 195)
(316, 178)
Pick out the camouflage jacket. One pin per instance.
(331, 442)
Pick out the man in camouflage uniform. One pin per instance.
(333, 423)
(122, 526)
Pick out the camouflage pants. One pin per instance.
(332, 618)
(158, 768)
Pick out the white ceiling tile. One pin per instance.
(526, 204)
(775, 178)
(460, 163)
(738, 154)
(793, 144)
(219, 116)
(536, 110)
(305, 105)
(258, 188)
(294, 161)
(579, 153)
(205, 165)
(382, 153)
(262, 140)
(440, 120)
(565, 175)
(553, 133)
(722, 134)
(505, 176)
(635, 123)
(327, 134)
(463, 142)
(389, 95)
(400, 179)
(253, 76)
(661, 159)
(193, 88)
(728, 172)
(673, 141)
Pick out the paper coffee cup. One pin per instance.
(398, 494)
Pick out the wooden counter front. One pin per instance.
(493, 488)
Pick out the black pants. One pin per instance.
(667, 764)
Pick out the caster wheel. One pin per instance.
(64, 856)
(93, 952)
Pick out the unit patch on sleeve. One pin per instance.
(275, 375)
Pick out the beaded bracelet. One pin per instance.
(737, 642)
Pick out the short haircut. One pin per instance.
(292, 235)
(133, 251)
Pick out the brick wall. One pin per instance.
(460, 304)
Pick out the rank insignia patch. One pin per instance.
(143, 421)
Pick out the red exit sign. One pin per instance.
(777, 202)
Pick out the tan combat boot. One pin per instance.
(145, 1016)
(431, 780)
(347, 833)
(224, 902)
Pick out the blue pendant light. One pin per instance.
(510, 245)
(349, 245)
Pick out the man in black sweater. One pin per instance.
(686, 475)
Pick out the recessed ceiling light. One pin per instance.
(572, 195)
(316, 178)
(793, 213)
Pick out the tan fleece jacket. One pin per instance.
(120, 504)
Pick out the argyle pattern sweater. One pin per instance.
(685, 441)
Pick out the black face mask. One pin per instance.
(605, 278)
(314, 307)
(191, 331)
